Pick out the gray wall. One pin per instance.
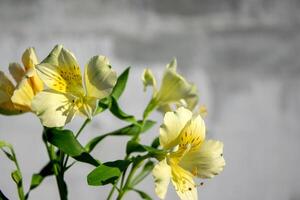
(243, 56)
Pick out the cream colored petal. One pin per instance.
(29, 58)
(184, 184)
(148, 79)
(23, 94)
(161, 174)
(6, 91)
(6, 85)
(165, 108)
(192, 97)
(88, 106)
(62, 73)
(193, 134)
(16, 71)
(207, 161)
(54, 109)
(173, 87)
(170, 130)
(99, 77)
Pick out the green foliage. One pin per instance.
(143, 195)
(107, 173)
(16, 174)
(134, 146)
(66, 142)
(130, 130)
(121, 84)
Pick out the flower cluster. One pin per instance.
(56, 91)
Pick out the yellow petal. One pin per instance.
(193, 134)
(148, 79)
(192, 98)
(62, 73)
(6, 91)
(29, 58)
(207, 161)
(161, 174)
(16, 71)
(170, 130)
(87, 106)
(173, 87)
(184, 184)
(23, 94)
(54, 109)
(99, 77)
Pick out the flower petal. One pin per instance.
(88, 106)
(99, 77)
(23, 94)
(60, 71)
(173, 87)
(184, 184)
(170, 130)
(6, 91)
(16, 71)
(161, 174)
(193, 134)
(207, 162)
(148, 79)
(54, 109)
(29, 58)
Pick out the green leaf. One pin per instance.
(16, 174)
(17, 177)
(38, 178)
(147, 169)
(116, 111)
(66, 141)
(155, 143)
(143, 195)
(134, 146)
(120, 164)
(130, 130)
(150, 107)
(103, 104)
(121, 84)
(2, 196)
(103, 175)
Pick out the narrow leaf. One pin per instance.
(116, 111)
(147, 169)
(103, 175)
(143, 195)
(121, 84)
(130, 130)
(66, 141)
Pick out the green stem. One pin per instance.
(59, 175)
(76, 136)
(116, 182)
(20, 186)
(82, 127)
(150, 107)
(126, 187)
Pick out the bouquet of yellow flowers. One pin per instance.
(56, 91)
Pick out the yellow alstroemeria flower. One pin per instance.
(174, 89)
(190, 155)
(66, 94)
(17, 99)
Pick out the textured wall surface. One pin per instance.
(242, 55)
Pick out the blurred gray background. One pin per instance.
(243, 56)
